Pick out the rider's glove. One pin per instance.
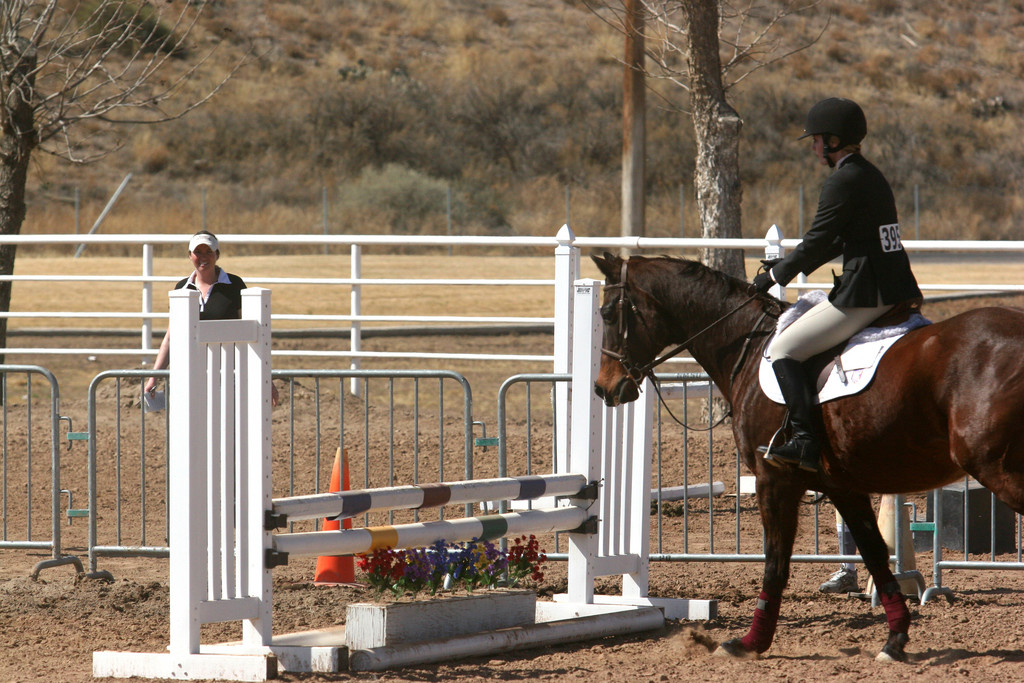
(762, 282)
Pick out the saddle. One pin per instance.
(848, 367)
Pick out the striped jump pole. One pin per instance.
(425, 534)
(347, 504)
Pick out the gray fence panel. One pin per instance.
(128, 488)
(708, 495)
(687, 527)
(23, 499)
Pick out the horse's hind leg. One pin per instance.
(860, 518)
(778, 498)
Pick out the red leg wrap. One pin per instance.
(896, 612)
(762, 630)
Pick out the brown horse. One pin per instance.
(948, 398)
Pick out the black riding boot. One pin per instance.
(804, 447)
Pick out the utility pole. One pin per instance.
(633, 123)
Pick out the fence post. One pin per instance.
(188, 581)
(567, 271)
(448, 212)
(255, 465)
(147, 297)
(587, 417)
(800, 201)
(356, 309)
(773, 249)
(917, 212)
(326, 219)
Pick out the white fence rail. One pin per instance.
(565, 245)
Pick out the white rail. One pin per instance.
(565, 242)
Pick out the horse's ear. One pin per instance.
(610, 265)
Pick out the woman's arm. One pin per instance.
(160, 363)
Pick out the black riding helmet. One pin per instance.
(839, 117)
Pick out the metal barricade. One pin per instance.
(979, 513)
(128, 451)
(412, 401)
(709, 514)
(20, 504)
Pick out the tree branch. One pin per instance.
(120, 63)
(752, 49)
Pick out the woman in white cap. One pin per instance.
(220, 292)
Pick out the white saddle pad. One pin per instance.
(857, 362)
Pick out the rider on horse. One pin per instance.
(856, 218)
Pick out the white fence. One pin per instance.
(566, 247)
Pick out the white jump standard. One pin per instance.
(223, 547)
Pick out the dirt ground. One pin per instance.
(50, 627)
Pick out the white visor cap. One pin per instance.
(203, 238)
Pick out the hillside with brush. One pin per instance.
(389, 116)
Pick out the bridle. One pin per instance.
(637, 372)
(623, 305)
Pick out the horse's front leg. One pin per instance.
(860, 518)
(778, 498)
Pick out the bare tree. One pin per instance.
(685, 40)
(66, 63)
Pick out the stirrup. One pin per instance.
(797, 452)
(775, 460)
(767, 452)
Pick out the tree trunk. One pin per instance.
(717, 127)
(18, 139)
(633, 124)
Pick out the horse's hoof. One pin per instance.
(886, 656)
(893, 650)
(734, 649)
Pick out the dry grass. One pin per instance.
(940, 82)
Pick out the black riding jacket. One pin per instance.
(857, 219)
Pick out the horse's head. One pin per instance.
(633, 331)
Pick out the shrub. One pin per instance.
(406, 200)
(497, 15)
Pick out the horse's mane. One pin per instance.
(714, 283)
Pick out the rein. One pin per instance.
(636, 374)
(682, 347)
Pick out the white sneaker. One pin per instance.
(843, 581)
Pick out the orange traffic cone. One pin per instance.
(333, 570)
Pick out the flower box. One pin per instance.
(370, 625)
